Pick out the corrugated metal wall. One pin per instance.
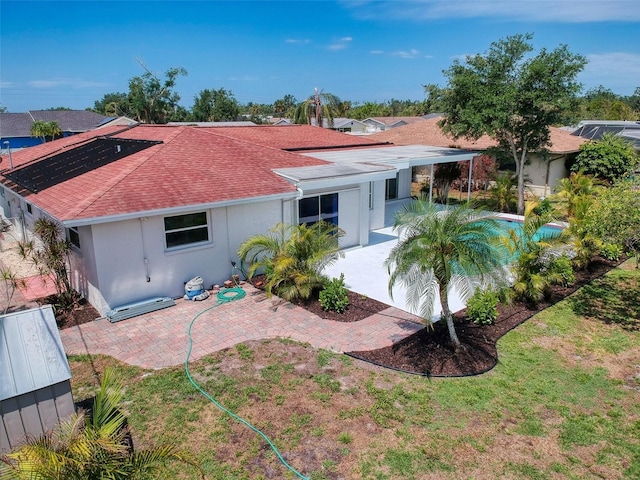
(33, 413)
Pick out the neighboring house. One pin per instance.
(15, 128)
(543, 170)
(241, 123)
(595, 129)
(149, 207)
(381, 124)
(344, 125)
(35, 392)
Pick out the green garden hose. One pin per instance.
(224, 296)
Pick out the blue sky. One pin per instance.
(72, 53)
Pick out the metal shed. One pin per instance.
(35, 391)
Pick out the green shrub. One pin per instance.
(482, 307)
(544, 207)
(334, 296)
(611, 251)
(561, 271)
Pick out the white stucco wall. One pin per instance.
(120, 250)
(536, 171)
(349, 208)
(376, 214)
(404, 183)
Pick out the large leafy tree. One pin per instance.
(45, 130)
(212, 105)
(609, 159)
(293, 257)
(90, 447)
(114, 104)
(153, 99)
(601, 103)
(615, 216)
(441, 250)
(284, 106)
(510, 96)
(318, 107)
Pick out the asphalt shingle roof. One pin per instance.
(193, 166)
(428, 132)
(19, 124)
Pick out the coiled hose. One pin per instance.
(224, 296)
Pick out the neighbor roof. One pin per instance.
(296, 137)
(190, 167)
(427, 132)
(72, 121)
(31, 352)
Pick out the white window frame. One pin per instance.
(189, 245)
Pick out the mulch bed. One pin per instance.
(429, 352)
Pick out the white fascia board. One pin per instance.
(335, 182)
(177, 210)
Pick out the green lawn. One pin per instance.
(563, 402)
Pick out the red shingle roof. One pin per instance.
(429, 133)
(192, 166)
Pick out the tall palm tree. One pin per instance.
(317, 107)
(441, 250)
(92, 447)
(293, 257)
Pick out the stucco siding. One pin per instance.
(376, 214)
(349, 217)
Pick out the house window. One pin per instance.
(321, 207)
(391, 190)
(74, 237)
(29, 209)
(184, 230)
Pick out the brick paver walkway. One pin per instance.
(160, 339)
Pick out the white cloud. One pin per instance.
(564, 11)
(58, 82)
(296, 40)
(412, 53)
(340, 44)
(376, 52)
(618, 71)
(6, 84)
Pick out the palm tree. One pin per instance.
(441, 250)
(575, 188)
(88, 447)
(43, 130)
(293, 257)
(318, 106)
(503, 194)
(533, 277)
(50, 254)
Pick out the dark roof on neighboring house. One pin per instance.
(72, 121)
(595, 129)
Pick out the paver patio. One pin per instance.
(160, 339)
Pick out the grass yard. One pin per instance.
(564, 402)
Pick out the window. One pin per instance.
(322, 207)
(391, 192)
(74, 237)
(182, 230)
(29, 209)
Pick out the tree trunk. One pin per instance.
(446, 313)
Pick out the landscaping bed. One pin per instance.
(429, 352)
